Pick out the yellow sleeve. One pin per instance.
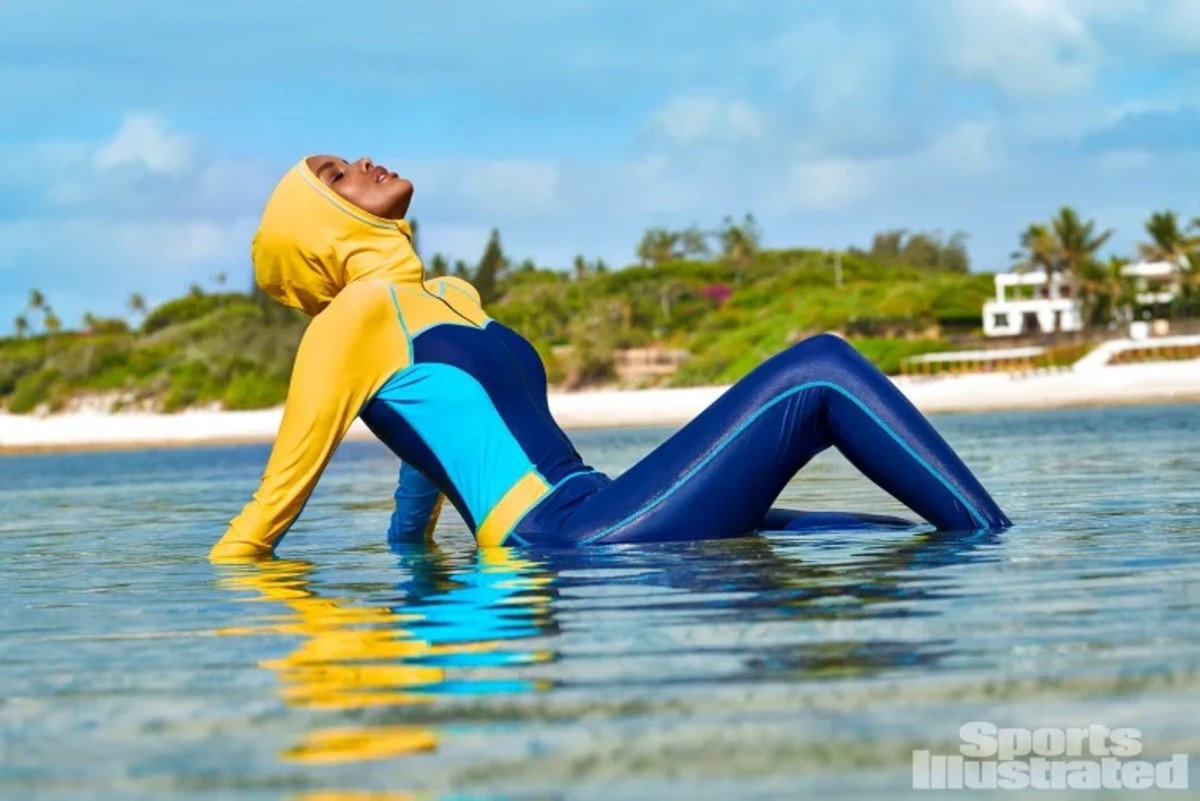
(347, 353)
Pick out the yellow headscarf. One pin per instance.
(312, 242)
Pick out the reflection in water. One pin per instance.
(354, 657)
(769, 579)
(449, 621)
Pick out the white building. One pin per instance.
(1156, 282)
(1026, 304)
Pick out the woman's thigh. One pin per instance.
(719, 474)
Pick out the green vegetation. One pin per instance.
(715, 294)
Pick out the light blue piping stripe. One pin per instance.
(442, 290)
(777, 399)
(322, 189)
(461, 291)
(403, 327)
(520, 540)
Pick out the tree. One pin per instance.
(412, 225)
(1169, 242)
(52, 321)
(438, 265)
(886, 246)
(659, 246)
(37, 301)
(490, 271)
(581, 268)
(693, 243)
(739, 242)
(461, 270)
(220, 278)
(137, 303)
(928, 250)
(21, 325)
(90, 322)
(1112, 289)
(1079, 242)
(196, 291)
(1039, 251)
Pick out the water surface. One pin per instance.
(779, 666)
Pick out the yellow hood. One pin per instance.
(312, 242)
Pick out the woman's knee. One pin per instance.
(825, 350)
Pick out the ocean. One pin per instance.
(777, 666)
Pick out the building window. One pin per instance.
(1000, 320)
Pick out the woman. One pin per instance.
(461, 399)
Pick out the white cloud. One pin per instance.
(502, 189)
(821, 185)
(1022, 47)
(143, 139)
(91, 251)
(970, 147)
(1177, 25)
(694, 118)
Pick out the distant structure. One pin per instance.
(1026, 303)
(1156, 282)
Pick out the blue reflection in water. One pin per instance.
(766, 667)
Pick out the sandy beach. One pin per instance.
(1085, 385)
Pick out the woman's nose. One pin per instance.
(366, 164)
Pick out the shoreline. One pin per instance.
(1150, 383)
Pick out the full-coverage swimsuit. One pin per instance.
(461, 399)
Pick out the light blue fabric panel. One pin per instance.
(453, 414)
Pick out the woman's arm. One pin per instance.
(418, 505)
(346, 354)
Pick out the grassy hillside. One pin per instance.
(235, 350)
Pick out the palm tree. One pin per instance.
(1040, 250)
(37, 301)
(21, 325)
(739, 242)
(1167, 239)
(1078, 246)
(52, 322)
(1078, 241)
(1105, 282)
(137, 304)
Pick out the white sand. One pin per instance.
(1155, 382)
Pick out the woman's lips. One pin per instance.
(381, 174)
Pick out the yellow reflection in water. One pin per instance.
(354, 795)
(354, 657)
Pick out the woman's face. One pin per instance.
(369, 186)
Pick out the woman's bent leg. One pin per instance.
(718, 475)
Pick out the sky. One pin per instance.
(141, 139)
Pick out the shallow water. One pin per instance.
(775, 667)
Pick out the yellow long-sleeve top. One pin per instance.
(461, 399)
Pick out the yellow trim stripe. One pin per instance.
(496, 527)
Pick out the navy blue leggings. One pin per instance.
(719, 474)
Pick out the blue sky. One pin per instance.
(141, 138)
